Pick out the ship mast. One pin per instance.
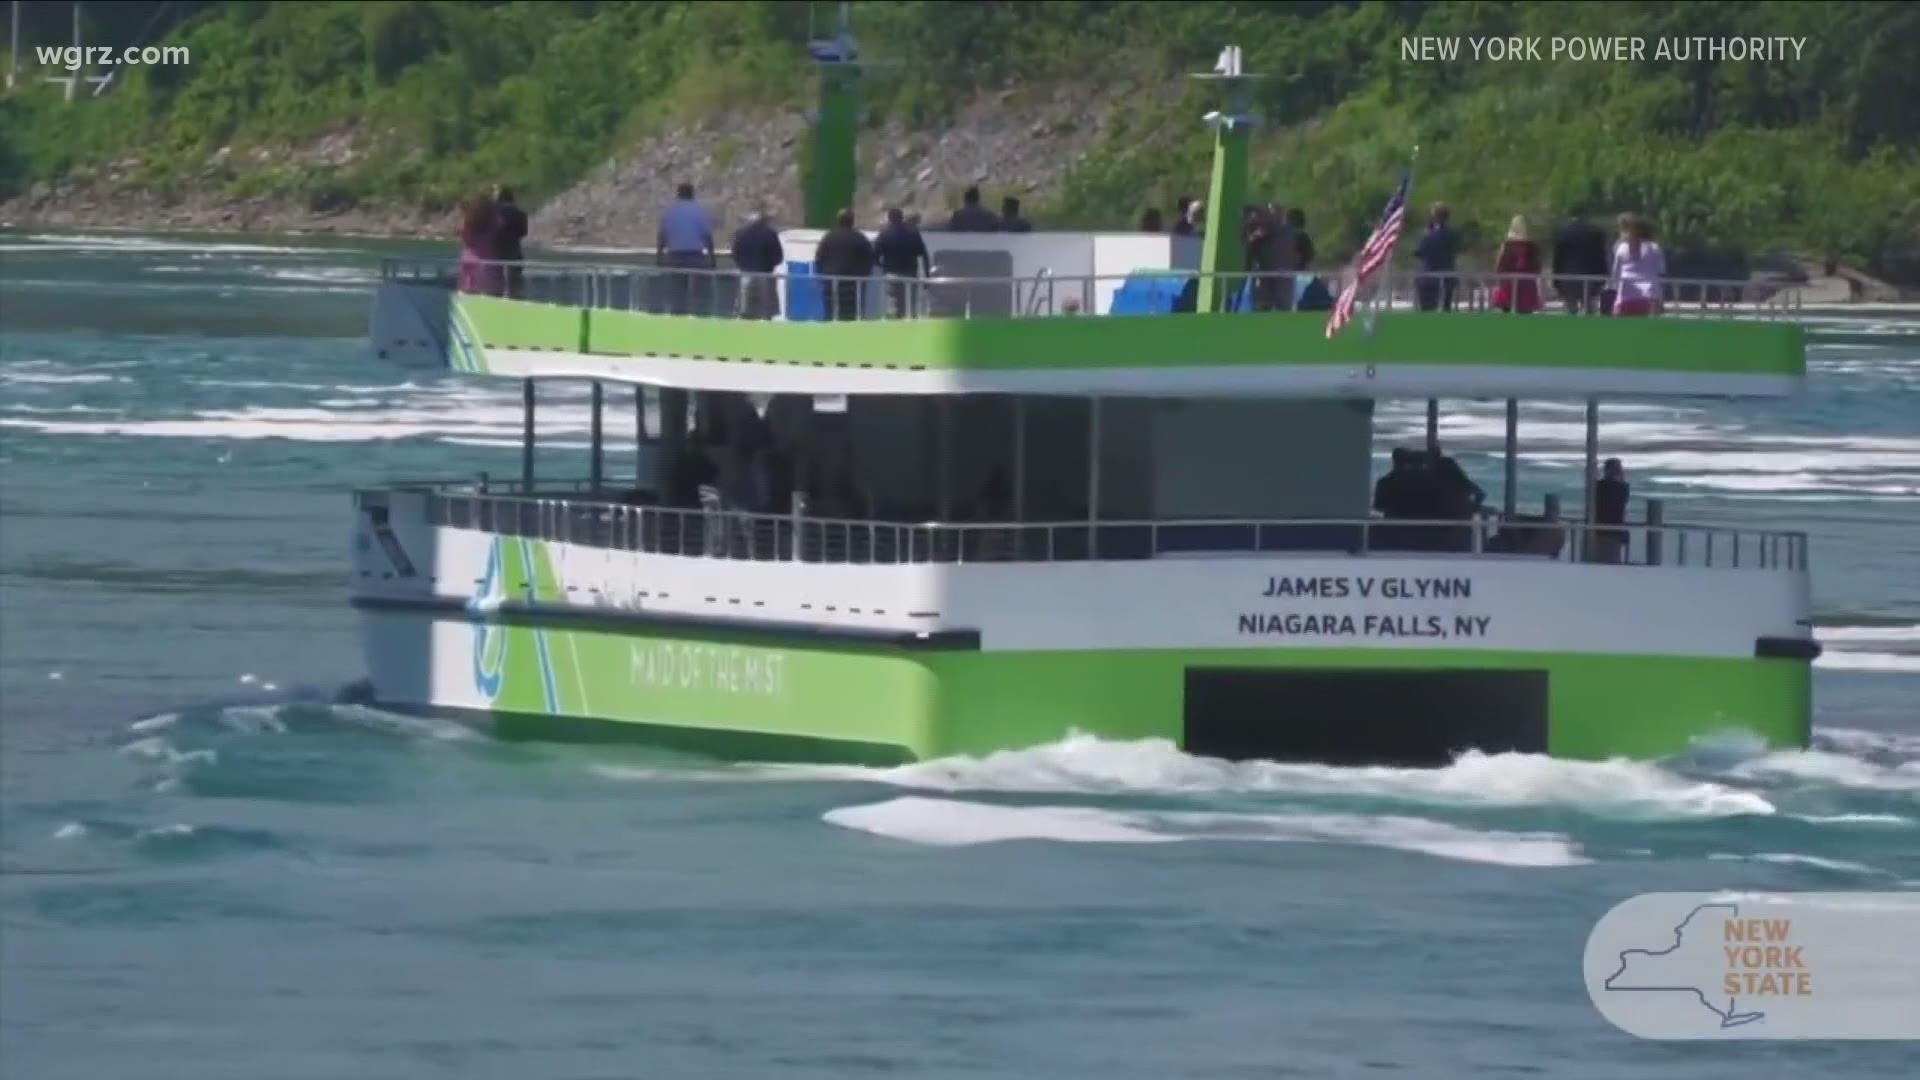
(1232, 123)
(836, 126)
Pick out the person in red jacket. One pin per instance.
(1517, 272)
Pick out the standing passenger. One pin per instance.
(1638, 267)
(1010, 219)
(1438, 251)
(478, 222)
(1303, 240)
(510, 230)
(1151, 221)
(972, 217)
(684, 244)
(1579, 265)
(1610, 494)
(902, 254)
(845, 259)
(1517, 271)
(757, 254)
(1183, 216)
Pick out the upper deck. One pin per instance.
(1073, 314)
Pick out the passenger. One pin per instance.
(1182, 216)
(478, 220)
(1197, 218)
(1151, 221)
(1456, 496)
(757, 254)
(1303, 241)
(1315, 296)
(972, 217)
(1579, 265)
(1638, 267)
(1271, 256)
(1610, 494)
(1010, 219)
(510, 229)
(902, 254)
(1397, 491)
(1517, 271)
(1438, 253)
(684, 244)
(845, 256)
(1253, 242)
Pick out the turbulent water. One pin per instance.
(216, 865)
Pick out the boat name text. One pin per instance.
(720, 669)
(1340, 587)
(1323, 623)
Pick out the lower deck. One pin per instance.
(1360, 640)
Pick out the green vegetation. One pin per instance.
(424, 100)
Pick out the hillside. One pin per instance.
(379, 116)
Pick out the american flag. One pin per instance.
(1373, 256)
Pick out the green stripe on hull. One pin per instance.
(740, 695)
(1694, 346)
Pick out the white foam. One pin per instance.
(72, 830)
(1907, 632)
(157, 748)
(1890, 663)
(1790, 859)
(56, 378)
(1863, 742)
(49, 242)
(165, 832)
(1830, 769)
(154, 723)
(951, 822)
(1856, 819)
(1084, 764)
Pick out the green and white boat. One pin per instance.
(1176, 543)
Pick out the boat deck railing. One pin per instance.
(795, 296)
(717, 532)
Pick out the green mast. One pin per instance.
(836, 127)
(1220, 252)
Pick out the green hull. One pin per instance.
(794, 696)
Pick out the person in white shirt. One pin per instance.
(685, 242)
(1638, 268)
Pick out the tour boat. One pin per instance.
(1032, 499)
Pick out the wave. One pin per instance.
(52, 242)
(1883, 662)
(1088, 765)
(954, 822)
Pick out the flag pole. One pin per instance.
(1406, 209)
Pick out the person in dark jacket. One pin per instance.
(510, 229)
(1183, 216)
(972, 217)
(1580, 251)
(1151, 220)
(1010, 219)
(902, 254)
(757, 253)
(1296, 220)
(845, 255)
(1610, 494)
(1438, 251)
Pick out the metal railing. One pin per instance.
(736, 534)
(724, 293)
